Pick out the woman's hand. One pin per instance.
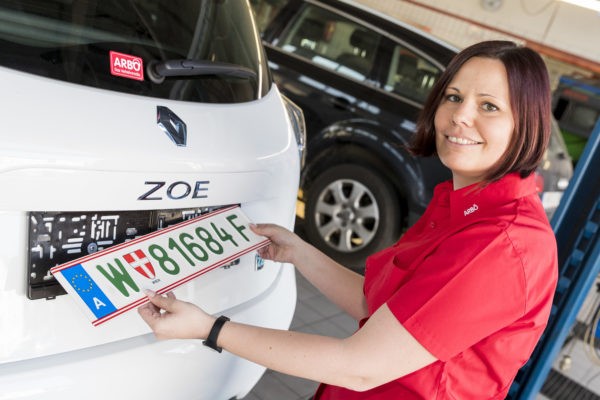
(170, 318)
(285, 245)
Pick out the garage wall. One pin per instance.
(570, 30)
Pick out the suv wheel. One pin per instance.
(351, 212)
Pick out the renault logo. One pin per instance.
(172, 125)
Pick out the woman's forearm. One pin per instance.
(382, 350)
(339, 284)
(378, 353)
(318, 358)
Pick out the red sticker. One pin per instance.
(126, 66)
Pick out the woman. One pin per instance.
(455, 308)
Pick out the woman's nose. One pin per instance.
(463, 115)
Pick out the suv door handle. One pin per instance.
(342, 103)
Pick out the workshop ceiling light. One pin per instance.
(591, 4)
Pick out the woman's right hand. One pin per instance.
(285, 245)
(339, 284)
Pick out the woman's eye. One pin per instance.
(489, 107)
(453, 98)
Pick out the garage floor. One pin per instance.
(314, 314)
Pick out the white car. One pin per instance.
(121, 118)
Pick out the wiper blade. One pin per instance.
(159, 70)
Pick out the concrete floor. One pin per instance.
(314, 314)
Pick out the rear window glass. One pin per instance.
(110, 44)
(333, 42)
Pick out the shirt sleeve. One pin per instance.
(472, 285)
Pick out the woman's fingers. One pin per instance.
(151, 312)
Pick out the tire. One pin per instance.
(351, 212)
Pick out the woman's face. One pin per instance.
(474, 121)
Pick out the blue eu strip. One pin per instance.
(88, 290)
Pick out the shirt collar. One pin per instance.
(474, 202)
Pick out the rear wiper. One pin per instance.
(159, 70)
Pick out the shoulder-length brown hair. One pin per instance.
(529, 92)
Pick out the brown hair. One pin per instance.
(529, 92)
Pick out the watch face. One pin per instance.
(491, 5)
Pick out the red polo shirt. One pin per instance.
(473, 282)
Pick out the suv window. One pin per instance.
(410, 75)
(71, 40)
(265, 11)
(349, 48)
(332, 41)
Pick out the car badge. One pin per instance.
(172, 125)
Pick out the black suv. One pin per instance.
(361, 79)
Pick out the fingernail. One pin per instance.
(149, 293)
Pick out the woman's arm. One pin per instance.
(340, 285)
(382, 350)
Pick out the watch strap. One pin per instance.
(211, 340)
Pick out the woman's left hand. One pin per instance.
(170, 318)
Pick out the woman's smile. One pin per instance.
(461, 140)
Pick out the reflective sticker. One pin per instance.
(126, 66)
(259, 263)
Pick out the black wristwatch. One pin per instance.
(211, 340)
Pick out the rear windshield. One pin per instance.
(120, 44)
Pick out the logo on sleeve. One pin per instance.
(471, 209)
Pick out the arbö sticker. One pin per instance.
(126, 66)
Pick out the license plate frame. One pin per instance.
(54, 238)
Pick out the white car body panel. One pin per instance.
(67, 147)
